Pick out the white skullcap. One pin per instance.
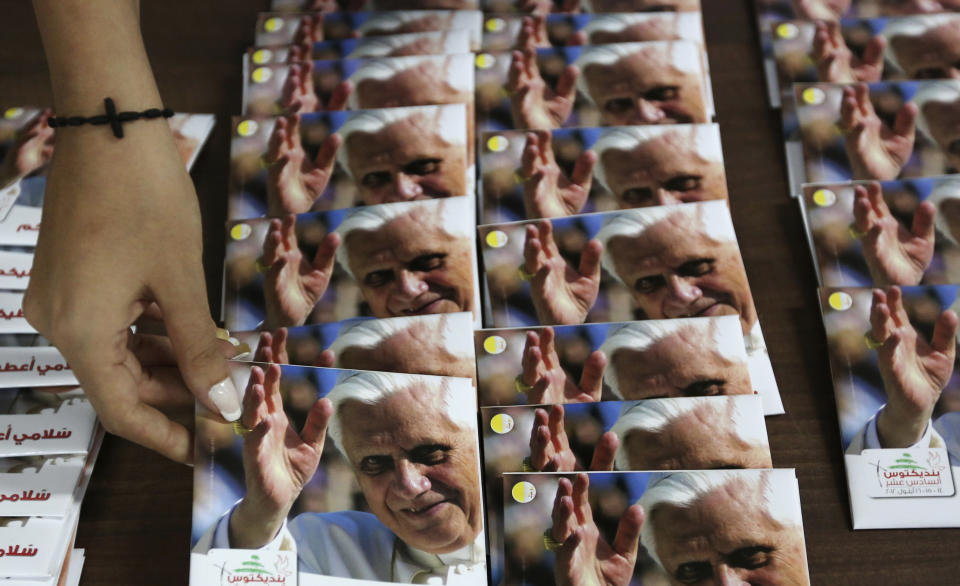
(725, 332)
(682, 55)
(685, 489)
(710, 218)
(454, 220)
(370, 388)
(705, 139)
(450, 122)
(737, 412)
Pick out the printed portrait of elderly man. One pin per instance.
(417, 17)
(542, 31)
(412, 258)
(391, 155)
(438, 345)
(878, 151)
(629, 83)
(641, 166)
(388, 82)
(677, 261)
(643, 360)
(694, 433)
(605, 29)
(899, 254)
(723, 527)
(412, 447)
(915, 372)
(308, 24)
(429, 43)
(711, 527)
(914, 47)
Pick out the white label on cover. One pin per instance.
(30, 546)
(66, 429)
(11, 315)
(48, 491)
(34, 367)
(228, 567)
(21, 226)
(904, 473)
(15, 270)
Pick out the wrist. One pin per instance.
(900, 428)
(94, 50)
(253, 526)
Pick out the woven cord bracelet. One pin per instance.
(112, 117)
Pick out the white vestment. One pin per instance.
(352, 544)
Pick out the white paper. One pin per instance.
(11, 315)
(44, 491)
(15, 270)
(40, 366)
(21, 226)
(35, 547)
(64, 429)
(883, 512)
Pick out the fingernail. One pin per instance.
(224, 395)
(223, 334)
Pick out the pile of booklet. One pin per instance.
(49, 436)
(870, 102)
(503, 332)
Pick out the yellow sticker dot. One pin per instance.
(240, 231)
(498, 143)
(262, 56)
(494, 345)
(813, 96)
(497, 239)
(261, 75)
(273, 24)
(494, 25)
(523, 492)
(501, 423)
(824, 198)
(11, 113)
(787, 30)
(840, 300)
(247, 128)
(485, 61)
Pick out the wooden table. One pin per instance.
(135, 524)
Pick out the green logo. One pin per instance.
(253, 566)
(906, 462)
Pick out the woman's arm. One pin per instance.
(121, 238)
